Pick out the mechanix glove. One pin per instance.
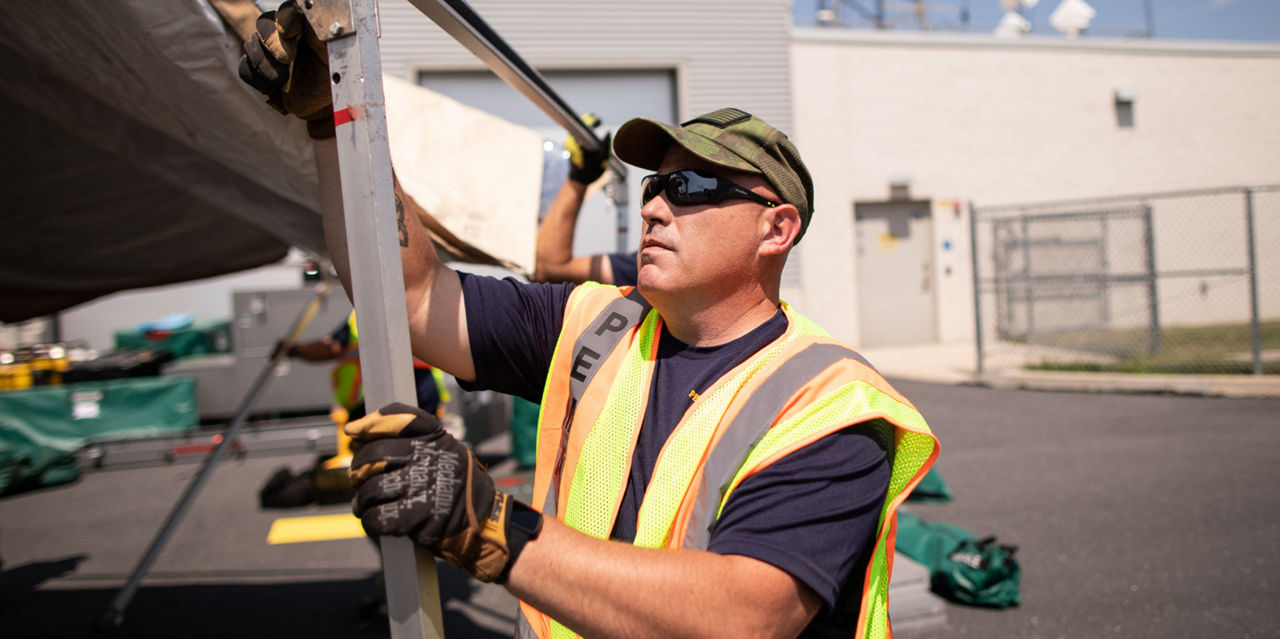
(415, 479)
(585, 166)
(286, 62)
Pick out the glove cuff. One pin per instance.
(509, 526)
(523, 525)
(321, 128)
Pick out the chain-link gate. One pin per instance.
(1183, 282)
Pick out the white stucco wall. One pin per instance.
(994, 121)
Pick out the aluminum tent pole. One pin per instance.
(461, 22)
(351, 33)
(113, 616)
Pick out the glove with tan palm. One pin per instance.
(285, 61)
(415, 479)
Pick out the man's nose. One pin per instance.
(656, 210)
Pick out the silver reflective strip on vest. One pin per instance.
(523, 629)
(601, 337)
(592, 347)
(751, 424)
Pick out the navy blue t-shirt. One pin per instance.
(625, 268)
(813, 513)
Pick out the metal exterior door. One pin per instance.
(895, 273)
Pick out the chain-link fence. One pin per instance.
(1185, 282)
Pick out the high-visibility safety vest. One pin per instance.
(348, 391)
(799, 388)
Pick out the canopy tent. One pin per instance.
(138, 158)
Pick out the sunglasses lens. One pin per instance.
(651, 187)
(690, 188)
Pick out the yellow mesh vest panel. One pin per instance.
(558, 631)
(912, 450)
(597, 486)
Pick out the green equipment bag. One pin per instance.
(931, 489)
(962, 568)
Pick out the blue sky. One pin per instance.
(1174, 19)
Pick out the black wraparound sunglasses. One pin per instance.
(691, 187)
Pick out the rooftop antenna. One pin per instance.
(1072, 17)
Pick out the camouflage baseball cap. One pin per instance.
(730, 138)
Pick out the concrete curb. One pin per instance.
(955, 363)
(1239, 386)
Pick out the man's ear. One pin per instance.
(783, 229)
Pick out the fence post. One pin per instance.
(1154, 344)
(977, 287)
(1254, 323)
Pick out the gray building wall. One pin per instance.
(723, 53)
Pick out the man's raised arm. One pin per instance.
(433, 291)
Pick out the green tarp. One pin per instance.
(202, 337)
(41, 428)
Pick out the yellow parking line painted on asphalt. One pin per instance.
(291, 530)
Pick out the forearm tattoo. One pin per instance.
(404, 230)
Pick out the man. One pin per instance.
(710, 463)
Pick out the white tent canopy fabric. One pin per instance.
(138, 158)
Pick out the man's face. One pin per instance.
(707, 249)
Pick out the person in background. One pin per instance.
(343, 345)
(553, 247)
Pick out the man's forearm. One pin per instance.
(554, 261)
(433, 294)
(612, 589)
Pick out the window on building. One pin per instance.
(1124, 99)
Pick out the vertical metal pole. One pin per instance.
(616, 190)
(113, 616)
(364, 160)
(1105, 284)
(977, 283)
(1154, 338)
(1255, 326)
(1026, 278)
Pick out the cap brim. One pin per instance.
(643, 142)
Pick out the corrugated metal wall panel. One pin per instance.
(726, 53)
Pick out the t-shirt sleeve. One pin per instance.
(813, 513)
(342, 334)
(513, 327)
(624, 268)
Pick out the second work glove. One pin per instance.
(586, 166)
(286, 62)
(415, 479)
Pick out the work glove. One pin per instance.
(415, 479)
(585, 166)
(285, 61)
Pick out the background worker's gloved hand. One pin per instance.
(286, 62)
(585, 166)
(414, 479)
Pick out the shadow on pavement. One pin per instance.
(339, 609)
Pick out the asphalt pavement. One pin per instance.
(1136, 515)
